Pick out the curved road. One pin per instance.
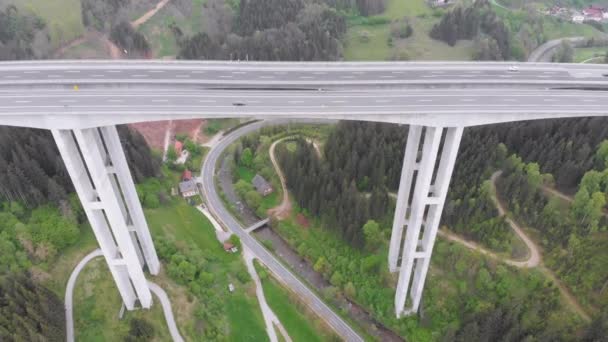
(282, 273)
(69, 306)
(545, 52)
(69, 292)
(534, 258)
(282, 210)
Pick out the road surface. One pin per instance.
(283, 210)
(545, 52)
(283, 274)
(69, 304)
(166, 304)
(43, 94)
(69, 293)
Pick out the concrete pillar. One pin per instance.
(93, 174)
(136, 219)
(420, 211)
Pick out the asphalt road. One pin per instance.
(69, 303)
(90, 108)
(285, 275)
(545, 52)
(83, 94)
(69, 293)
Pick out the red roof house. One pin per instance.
(228, 246)
(187, 175)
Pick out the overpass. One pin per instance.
(82, 101)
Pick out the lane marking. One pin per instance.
(12, 76)
(424, 100)
(97, 75)
(139, 75)
(467, 100)
(73, 71)
(31, 72)
(206, 101)
(115, 100)
(198, 72)
(348, 76)
(183, 76)
(225, 76)
(387, 76)
(338, 101)
(306, 77)
(67, 101)
(53, 76)
(382, 101)
(295, 102)
(160, 100)
(22, 101)
(266, 77)
(239, 72)
(114, 71)
(156, 71)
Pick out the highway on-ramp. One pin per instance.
(279, 270)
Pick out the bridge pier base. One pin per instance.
(98, 168)
(428, 163)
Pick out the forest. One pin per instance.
(22, 36)
(267, 30)
(32, 172)
(40, 217)
(476, 21)
(573, 235)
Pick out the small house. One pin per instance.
(187, 175)
(188, 188)
(261, 185)
(231, 287)
(229, 247)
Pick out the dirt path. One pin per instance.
(534, 257)
(115, 52)
(142, 20)
(535, 254)
(557, 193)
(283, 210)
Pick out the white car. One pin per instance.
(513, 68)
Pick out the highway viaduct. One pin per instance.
(82, 101)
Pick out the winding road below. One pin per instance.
(281, 272)
(69, 296)
(281, 211)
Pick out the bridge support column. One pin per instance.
(424, 184)
(98, 168)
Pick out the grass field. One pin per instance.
(90, 49)
(583, 54)
(299, 326)
(158, 32)
(417, 47)
(63, 17)
(96, 307)
(184, 223)
(60, 269)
